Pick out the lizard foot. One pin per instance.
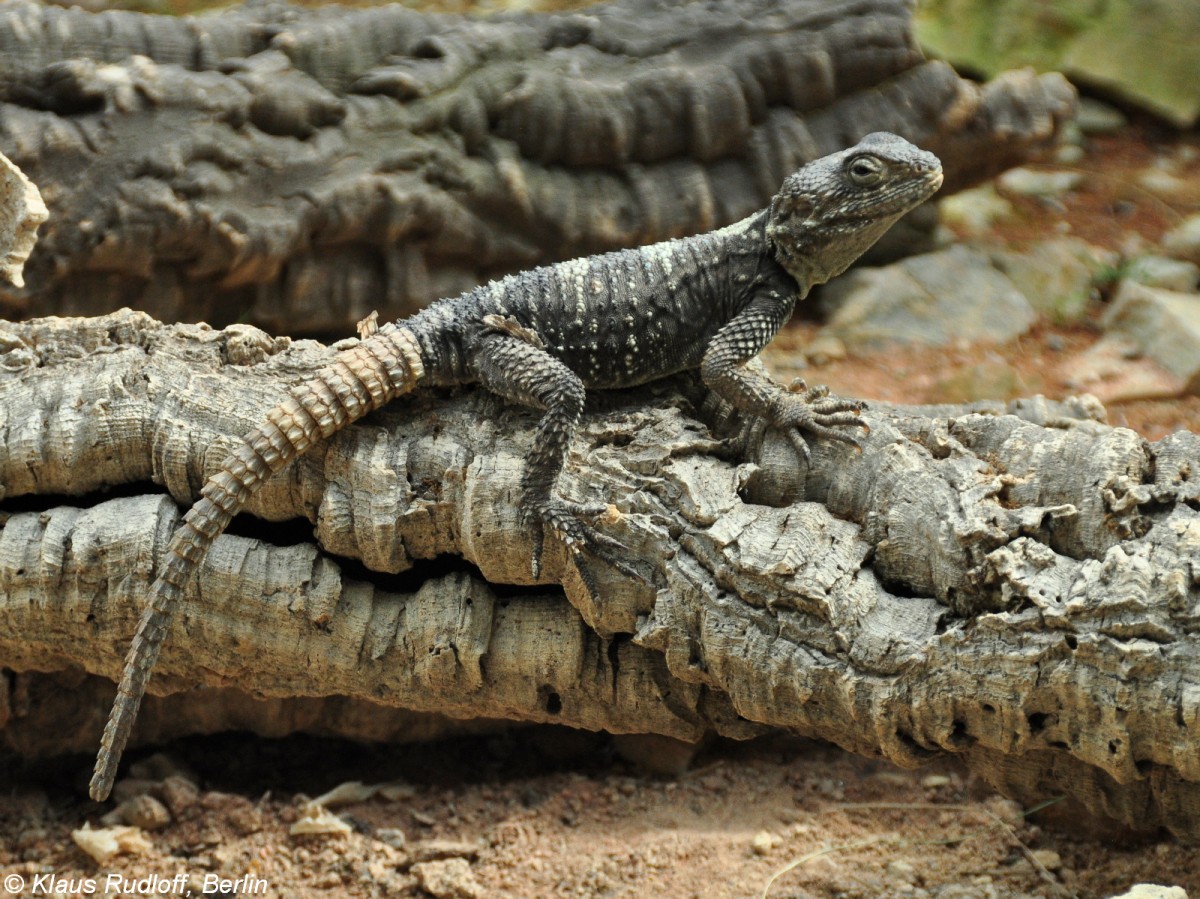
(812, 409)
(562, 518)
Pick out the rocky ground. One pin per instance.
(1070, 254)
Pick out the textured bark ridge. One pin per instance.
(298, 168)
(1021, 589)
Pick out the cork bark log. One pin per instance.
(1021, 589)
(297, 168)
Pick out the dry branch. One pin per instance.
(300, 167)
(1020, 589)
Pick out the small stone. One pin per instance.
(1162, 325)
(1058, 276)
(1069, 154)
(347, 793)
(901, 870)
(1097, 117)
(1153, 891)
(318, 820)
(397, 790)
(930, 300)
(935, 781)
(129, 787)
(1164, 272)
(434, 850)
(1026, 182)
(974, 211)
(1048, 859)
(145, 812)
(1183, 241)
(106, 843)
(391, 836)
(178, 793)
(825, 348)
(763, 842)
(451, 878)
(1163, 183)
(245, 819)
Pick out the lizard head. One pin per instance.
(830, 211)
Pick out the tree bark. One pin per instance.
(297, 168)
(1020, 587)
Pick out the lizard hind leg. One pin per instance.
(512, 364)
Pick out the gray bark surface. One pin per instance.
(1020, 589)
(297, 168)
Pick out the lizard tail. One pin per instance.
(358, 381)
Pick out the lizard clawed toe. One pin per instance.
(818, 414)
(561, 517)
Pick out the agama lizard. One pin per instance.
(541, 338)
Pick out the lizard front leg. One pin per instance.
(813, 410)
(513, 366)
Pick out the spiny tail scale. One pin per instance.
(358, 381)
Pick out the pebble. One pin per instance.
(318, 820)
(178, 793)
(347, 793)
(1098, 117)
(1164, 272)
(391, 836)
(434, 850)
(930, 300)
(1058, 275)
(825, 348)
(1183, 241)
(1048, 859)
(129, 787)
(976, 210)
(450, 878)
(1153, 891)
(145, 812)
(764, 841)
(1027, 182)
(901, 870)
(104, 844)
(1163, 325)
(1162, 183)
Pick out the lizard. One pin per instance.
(543, 337)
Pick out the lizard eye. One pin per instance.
(865, 171)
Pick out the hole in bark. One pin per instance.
(914, 749)
(959, 737)
(617, 440)
(44, 502)
(1114, 746)
(989, 708)
(1144, 767)
(429, 48)
(613, 650)
(1037, 721)
(1071, 641)
(551, 701)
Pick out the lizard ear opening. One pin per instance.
(791, 207)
